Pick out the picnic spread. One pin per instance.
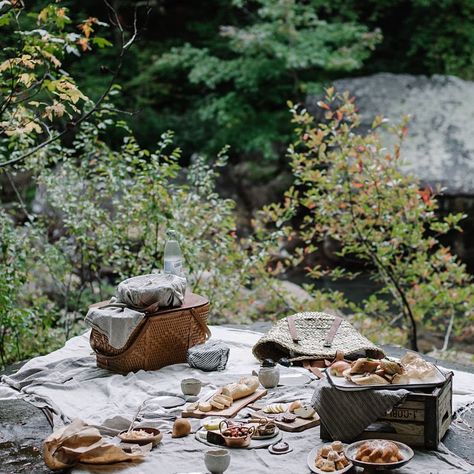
(152, 389)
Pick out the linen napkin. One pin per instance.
(345, 414)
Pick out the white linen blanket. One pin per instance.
(68, 383)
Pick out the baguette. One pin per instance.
(245, 387)
(220, 399)
(217, 405)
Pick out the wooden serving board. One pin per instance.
(229, 412)
(300, 424)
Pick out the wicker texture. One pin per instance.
(312, 329)
(162, 339)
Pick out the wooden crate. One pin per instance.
(421, 420)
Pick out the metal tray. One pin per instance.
(341, 383)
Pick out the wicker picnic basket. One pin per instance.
(163, 338)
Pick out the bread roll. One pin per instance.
(245, 387)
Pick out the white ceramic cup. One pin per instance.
(191, 386)
(217, 460)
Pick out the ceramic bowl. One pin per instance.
(191, 386)
(155, 439)
(217, 460)
(405, 451)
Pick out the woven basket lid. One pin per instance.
(312, 329)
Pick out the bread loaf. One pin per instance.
(243, 388)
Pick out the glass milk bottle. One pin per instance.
(173, 257)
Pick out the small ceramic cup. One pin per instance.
(217, 460)
(191, 386)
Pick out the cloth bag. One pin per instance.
(306, 337)
(213, 355)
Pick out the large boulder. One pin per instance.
(439, 148)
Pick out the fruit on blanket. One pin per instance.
(181, 428)
(294, 405)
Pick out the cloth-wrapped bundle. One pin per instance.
(136, 297)
(210, 356)
(147, 293)
(81, 443)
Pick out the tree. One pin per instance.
(232, 91)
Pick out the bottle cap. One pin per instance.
(268, 363)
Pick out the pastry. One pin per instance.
(337, 446)
(204, 406)
(391, 367)
(325, 451)
(379, 451)
(332, 456)
(339, 367)
(417, 368)
(369, 379)
(328, 466)
(400, 379)
(243, 388)
(364, 365)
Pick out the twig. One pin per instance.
(448, 333)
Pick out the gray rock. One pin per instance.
(439, 148)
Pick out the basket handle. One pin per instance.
(201, 324)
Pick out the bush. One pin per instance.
(349, 188)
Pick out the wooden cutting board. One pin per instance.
(229, 412)
(300, 424)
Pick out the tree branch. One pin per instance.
(124, 47)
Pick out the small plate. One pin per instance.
(169, 401)
(268, 436)
(272, 451)
(312, 458)
(405, 450)
(294, 379)
(155, 439)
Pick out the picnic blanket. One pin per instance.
(68, 384)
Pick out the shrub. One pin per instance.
(348, 187)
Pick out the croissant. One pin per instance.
(391, 367)
(369, 379)
(364, 365)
